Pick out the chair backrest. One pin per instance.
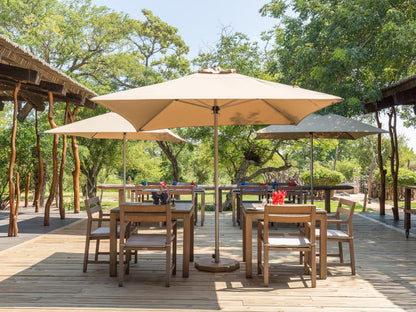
(290, 214)
(93, 206)
(259, 190)
(140, 190)
(174, 190)
(139, 212)
(348, 213)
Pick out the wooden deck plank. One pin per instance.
(45, 273)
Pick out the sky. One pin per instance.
(199, 23)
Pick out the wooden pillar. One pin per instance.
(77, 165)
(62, 168)
(54, 163)
(40, 180)
(13, 230)
(27, 190)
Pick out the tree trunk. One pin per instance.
(54, 183)
(38, 187)
(62, 168)
(27, 190)
(172, 158)
(382, 198)
(13, 211)
(77, 165)
(394, 160)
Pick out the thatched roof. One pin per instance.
(37, 78)
(402, 92)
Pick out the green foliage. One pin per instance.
(350, 169)
(405, 177)
(323, 176)
(348, 48)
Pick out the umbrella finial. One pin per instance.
(217, 70)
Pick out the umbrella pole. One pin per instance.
(311, 166)
(218, 265)
(124, 166)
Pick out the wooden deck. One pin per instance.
(45, 273)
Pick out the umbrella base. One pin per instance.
(224, 265)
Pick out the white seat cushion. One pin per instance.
(288, 240)
(332, 233)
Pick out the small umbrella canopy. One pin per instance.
(113, 126)
(215, 97)
(329, 126)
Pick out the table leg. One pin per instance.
(328, 201)
(220, 200)
(196, 208)
(233, 208)
(244, 237)
(323, 246)
(113, 244)
(407, 211)
(202, 208)
(248, 235)
(188, 220)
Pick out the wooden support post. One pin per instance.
(13, 231)
(62, 168)
(40, 180)
(54, 163)
(27, 190)
(77, 165)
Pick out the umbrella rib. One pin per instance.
(202, 104)
(285, 115)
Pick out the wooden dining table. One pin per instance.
(182, 211)
(253, 211)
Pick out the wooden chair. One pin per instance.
(148, 239)
(279, 241)
(341, 234)
(175, 192)
(95, 230)
(259, 190)
(142, 192)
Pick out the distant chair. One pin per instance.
(302, 241)
(175, 192)
(150, 239)
(249, 190)
(340, 234)
(96, 218)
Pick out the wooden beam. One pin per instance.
(404, 85)
(38, 102)
(22, 114)
(20, 74)
(53, 87)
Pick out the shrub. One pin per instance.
(323, 176)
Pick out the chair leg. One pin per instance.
(312, 261)
(97, 249)
(121, 267)
(174, 255)
(266, 266)
(341, 255)
(87, 250)
(168, 264)
(259, 250)
(352, 257)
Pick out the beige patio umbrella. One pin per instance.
(329, 126)
(113, 126)
(215, 97)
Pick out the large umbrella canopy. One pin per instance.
(113, 126)
(329, 126)
(215, 97)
